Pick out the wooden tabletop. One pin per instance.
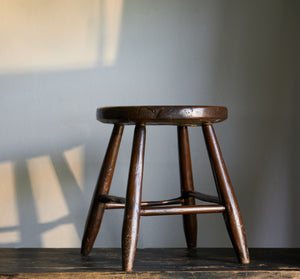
(149, 263)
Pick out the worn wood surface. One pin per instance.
(162, 115)
(97, 208)
(187, 185)
(149, 263)
(232, 215)
(182, 210)
(131, 221)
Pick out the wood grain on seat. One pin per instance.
(162, 115)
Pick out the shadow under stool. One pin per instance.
(182, 117)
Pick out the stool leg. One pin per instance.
(133, 199)
(186, 181)
(232, 214)
(102, 188)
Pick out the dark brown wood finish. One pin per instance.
(114, 200)
(203, 197)
(102, 187)
(232, 214)
(185, 209)
(133, 199)
(113, 204)
(160, 115)
(182, 116)
(187, 185)
(64, 263)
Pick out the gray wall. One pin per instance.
(78, 55)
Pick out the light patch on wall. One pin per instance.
(75, 160)
(48, 196)
(9, 237)
(45, 35)
(8, 201)
(61, 236)
(113, 14)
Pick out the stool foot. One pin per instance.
(187, 185)
(102, 188)
(133, 199)
(232, 214)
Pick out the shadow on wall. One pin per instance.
(32, 192)
(59, 59)
(43, 36)
(254, 71)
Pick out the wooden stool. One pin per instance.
(182, 117)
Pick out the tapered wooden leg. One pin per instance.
(102, 188)
(133, 199)
(186, 181)
(232, 214)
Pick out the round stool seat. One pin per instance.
(162, 115)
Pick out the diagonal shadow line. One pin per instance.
(42, 227)
(9, 228)
(28, 219)
(73, 196)
(29, 227)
